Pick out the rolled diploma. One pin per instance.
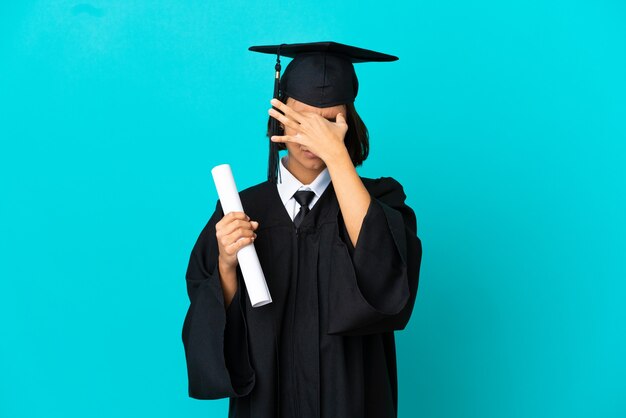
(247, 257)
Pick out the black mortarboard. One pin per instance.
(321, 74)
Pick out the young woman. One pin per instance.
(340, 254)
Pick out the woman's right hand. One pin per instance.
(234, 231)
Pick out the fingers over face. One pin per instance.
(284, 119)
(286, 110)
(284, 138)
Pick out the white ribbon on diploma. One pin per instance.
(247, 257)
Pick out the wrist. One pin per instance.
(339, 158)
(224, 266)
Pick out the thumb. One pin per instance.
(340, 118)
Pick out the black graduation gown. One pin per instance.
(325, 346)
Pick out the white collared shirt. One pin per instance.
(288, 185)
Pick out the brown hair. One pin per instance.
(356, 140)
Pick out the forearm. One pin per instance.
(228, 279)
(353, 197)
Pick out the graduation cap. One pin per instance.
(320, 74)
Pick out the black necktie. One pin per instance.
(303, 197)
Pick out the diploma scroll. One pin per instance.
(247, 257)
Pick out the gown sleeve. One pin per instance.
(215, 339)
(375, 282)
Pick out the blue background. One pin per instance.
(505, 122)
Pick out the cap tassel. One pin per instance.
(273, 171)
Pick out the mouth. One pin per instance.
(309, 154)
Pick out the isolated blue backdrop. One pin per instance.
(505, 121)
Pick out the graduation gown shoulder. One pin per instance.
(376, 291)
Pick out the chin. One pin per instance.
(317, 165)
(311, 162)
